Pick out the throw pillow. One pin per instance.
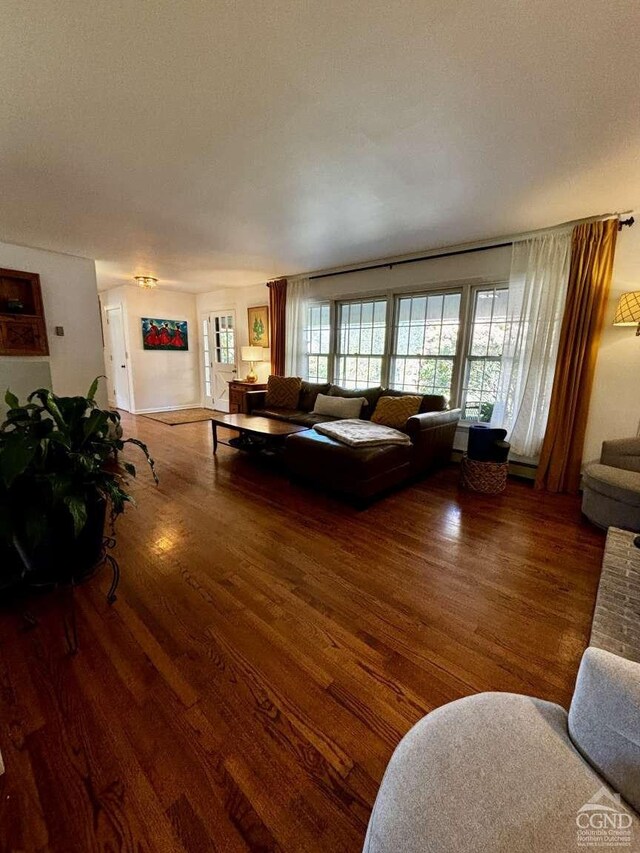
(309, 392)
(371, 395)
(338, 407)
(395, 411)
(430, 402)
(283, 392)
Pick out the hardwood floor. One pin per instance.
(268, 649)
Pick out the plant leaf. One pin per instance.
(11, 400)
(129, 468)
(78, 509)
(94, 387)
(143, 447)
(17, 453)
(96, 420)
(51, 405)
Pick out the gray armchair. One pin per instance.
(622, 453)
(611, 488)
(504, 773)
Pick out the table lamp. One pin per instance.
(252, 354)
(628, 310)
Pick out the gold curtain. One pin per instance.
(277, 317)
(592, 250)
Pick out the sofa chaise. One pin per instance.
(361, 473)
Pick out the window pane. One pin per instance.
(449, 339)
(451, 311)
(402, 340)
(317, 335)
(418, 309)
(416, 340)
(361, 342)
(425, 343)
(483, 368)
(434, 308)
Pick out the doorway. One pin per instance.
(116, 363)
(219, 358)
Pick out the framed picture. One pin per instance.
(259, 326)
(165, 334)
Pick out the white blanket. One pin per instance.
(358, 433)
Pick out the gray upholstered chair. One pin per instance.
(507, 773)
(611, 488)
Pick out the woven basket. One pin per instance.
(489, 478)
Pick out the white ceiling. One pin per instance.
(223, 142)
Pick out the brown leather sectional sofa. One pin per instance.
(362, 472)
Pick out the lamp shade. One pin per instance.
(252, 353)
(628, 310)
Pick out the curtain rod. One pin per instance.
(480, 248)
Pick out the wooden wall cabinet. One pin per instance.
(22, 324)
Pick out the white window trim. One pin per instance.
(388, 332)
(494, 285)
(466, 287)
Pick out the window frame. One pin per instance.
(384, 356)
(330, 355)
(433, 291)
(219, 348)
(466, 356)
(467, 290)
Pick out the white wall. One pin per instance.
(70, 296)
(615, 401)
(158, 380)
(473, 268)
(238, 300)
(21, 377)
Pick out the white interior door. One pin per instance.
(117, 370)
(219, 353)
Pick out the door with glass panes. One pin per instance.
(219, 358)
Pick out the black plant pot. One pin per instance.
(62, 557)
(12, 569)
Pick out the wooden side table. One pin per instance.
(237, 395)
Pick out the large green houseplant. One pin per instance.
(60, 471)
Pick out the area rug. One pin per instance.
(182, 416)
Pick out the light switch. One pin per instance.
(60, 331)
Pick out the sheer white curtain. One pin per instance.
(296, 345)
(537, 294)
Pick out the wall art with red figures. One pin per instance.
(165, 334)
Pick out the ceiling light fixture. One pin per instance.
(148, 282)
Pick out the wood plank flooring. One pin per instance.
(268, 649)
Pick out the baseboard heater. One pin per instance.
(524, 470)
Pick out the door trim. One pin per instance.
(125, 340)
(206, 314)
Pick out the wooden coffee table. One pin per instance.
(268, 434)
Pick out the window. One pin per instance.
(207, 357)
(360, 356)
(483, 364)
(425, 343)
(446, 341)
(224, 340)
(318, 341)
